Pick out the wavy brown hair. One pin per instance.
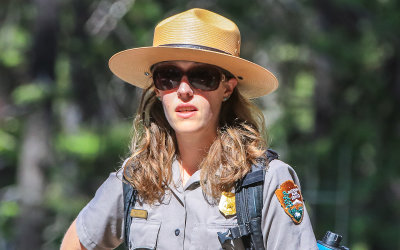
(239, 144)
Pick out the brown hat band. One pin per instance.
(193, 46)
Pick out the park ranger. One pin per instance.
(197, 138)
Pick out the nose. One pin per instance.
(185, 91)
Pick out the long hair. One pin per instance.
(239, 144)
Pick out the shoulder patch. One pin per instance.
(291, 200)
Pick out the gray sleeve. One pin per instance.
(100, 223)
(279, 230)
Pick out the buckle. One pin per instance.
(248, 227)
(223, 237)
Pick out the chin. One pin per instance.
(190, 127)
(188, 130)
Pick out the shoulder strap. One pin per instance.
(129, 194)
(249, 204)
(272, 155)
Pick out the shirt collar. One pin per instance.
(176, 187)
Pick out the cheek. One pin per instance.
(212, 107)
(214, 101)
(168, 100)
(167, 105)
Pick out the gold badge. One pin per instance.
(138, 213)
(291, 200)
(227, 204)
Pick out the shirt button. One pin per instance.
(177, 231)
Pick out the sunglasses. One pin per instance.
(204, 77)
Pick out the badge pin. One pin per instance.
(227, 204)
(291, 200)
(138, 213)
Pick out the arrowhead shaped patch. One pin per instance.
(291, 200)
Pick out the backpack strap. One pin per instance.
(272, 155)
(129, 194)
(249, 204)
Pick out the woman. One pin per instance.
(196, 136)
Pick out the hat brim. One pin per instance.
(133, 66)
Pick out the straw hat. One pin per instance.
(195, 35)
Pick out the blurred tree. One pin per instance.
(36, 150)
(65, 120)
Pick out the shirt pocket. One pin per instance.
(144, 234)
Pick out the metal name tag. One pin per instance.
(138, 213)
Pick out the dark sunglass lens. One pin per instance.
(205, 77)
(167, 77)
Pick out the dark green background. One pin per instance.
(65, 119)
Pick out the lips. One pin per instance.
(185, 110)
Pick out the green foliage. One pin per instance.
(14, 42)
(7, 142)
(336, 115)
(302, 93)
(9, 210)
(30, 93)
(63, 73)
(83, 144)
(62, 203)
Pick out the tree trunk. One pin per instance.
(36, 151)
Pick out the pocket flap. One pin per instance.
(144, 234)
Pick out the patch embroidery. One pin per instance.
(291, 200)
(227, 204)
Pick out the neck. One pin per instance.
(192, 150)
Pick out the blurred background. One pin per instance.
(65, 120)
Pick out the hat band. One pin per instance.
(193, 46)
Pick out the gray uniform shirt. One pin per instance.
(185, 220)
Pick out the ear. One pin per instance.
(158, 95)
(230, 86)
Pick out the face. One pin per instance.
(191, 110)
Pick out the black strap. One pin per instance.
(272, 155)
(249, 204)
(252, 178)
(129, 194)
(248, 211)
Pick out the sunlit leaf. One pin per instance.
(83, 144)
(304, 85)
(8, 209)
(7, 142)
(14, 42)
